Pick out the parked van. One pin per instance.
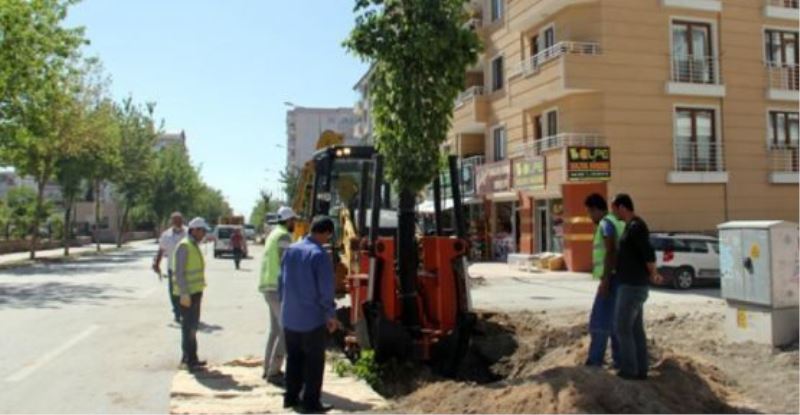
(222, 240)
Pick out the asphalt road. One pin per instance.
(96, 335)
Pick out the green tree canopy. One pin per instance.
(420, 50)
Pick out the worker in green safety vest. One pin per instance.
(277, 242)
(190, 281)
(604, 250)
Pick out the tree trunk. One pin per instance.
(67, 227)
(97, 213)
(36, 216)
(407, 260)
(123, 225)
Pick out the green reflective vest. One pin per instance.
(195, 268)
(599, 246)
(271, 264)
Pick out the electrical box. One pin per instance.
(760, 279)
(759, 262)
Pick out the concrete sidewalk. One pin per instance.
(21, 258)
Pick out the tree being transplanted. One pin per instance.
(420, 50)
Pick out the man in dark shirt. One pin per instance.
(308, 314)
(635, 269)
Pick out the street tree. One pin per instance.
(420, 51)
(176, 184)
(91, 155)
(33, 44)
(134, 177)
(289, 179)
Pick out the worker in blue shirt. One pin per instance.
(308, 314)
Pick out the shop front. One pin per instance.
(551, 189)
(493, 186)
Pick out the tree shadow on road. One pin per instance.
(103, 262)
(53, 295)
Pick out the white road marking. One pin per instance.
(46, 358)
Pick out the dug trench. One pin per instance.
(533, 363)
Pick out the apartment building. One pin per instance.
(691, 106)
(362, 129)
(304, 126)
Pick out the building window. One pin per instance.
(552, 123)
(784, 129)
(693, 58)
(497, 10)
(497, 73)
(696, 147)
(538, 131)
(499, 141)
(781, 47)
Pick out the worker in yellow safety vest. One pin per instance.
(604, 249)
(189, 282)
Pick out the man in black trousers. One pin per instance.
(308, 314)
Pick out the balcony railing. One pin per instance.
(783, 76)
(537, 147)
(468, 94)
(534, 64)
(783, 158)
(695, 69)
(693, 156)
(789, 4)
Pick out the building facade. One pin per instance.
(690, 106)
(362, 129)
(305, 125)
(171, 139)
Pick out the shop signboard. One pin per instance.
(528, 173)
(588, 163)
(493, 177)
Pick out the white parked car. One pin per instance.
(222, 240)
(686, 260)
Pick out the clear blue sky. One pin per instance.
(221, 71)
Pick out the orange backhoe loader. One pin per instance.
(425, 316)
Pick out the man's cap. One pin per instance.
(285, 213)
(198, 223)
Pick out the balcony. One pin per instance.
(782, 9)
(782, 82)
(700, 5)
(696, 162)
(471, 111)
(783, 163)
(536, 148)
(524, 15)
(566, 68)
(695, 76)
(534, 64)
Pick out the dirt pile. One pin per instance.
(532, 363)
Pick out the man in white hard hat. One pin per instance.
(189, 282)
(278, 240)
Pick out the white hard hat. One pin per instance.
(285, 213)
(198, 223)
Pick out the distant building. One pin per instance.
(304, 126)
(168, 139)
(10, 179)
(362, 130)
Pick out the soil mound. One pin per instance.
(533, 363)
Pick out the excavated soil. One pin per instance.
(532, 363)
